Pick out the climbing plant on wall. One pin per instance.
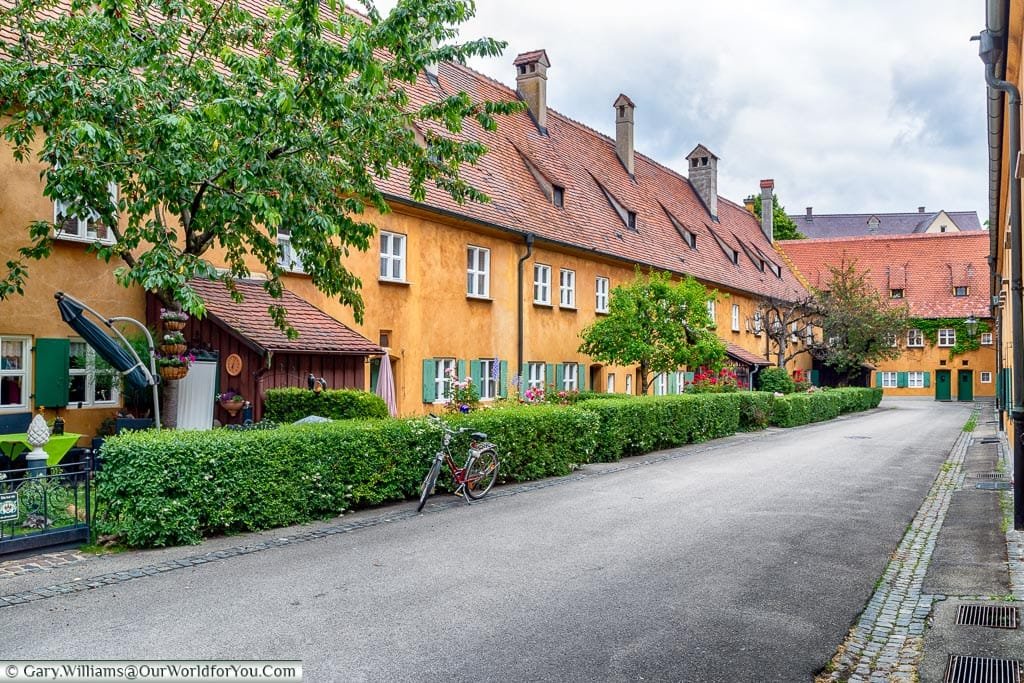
(965, 341)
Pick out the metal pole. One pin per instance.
(152, 361)
(988, 41)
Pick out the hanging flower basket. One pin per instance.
(232, 406)
(173, 372)
(173, 321)
(174, 325)
(172, 349)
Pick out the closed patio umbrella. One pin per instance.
(386, 385)
(73, 313)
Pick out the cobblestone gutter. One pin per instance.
(887, 641)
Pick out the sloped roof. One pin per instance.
(319, 333)
(925, 266)
(829, 225)
(741, 354)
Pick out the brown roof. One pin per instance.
(926, 267)
(741, 354)
(318, 332)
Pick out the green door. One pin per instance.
(965, 385)
(942, 392)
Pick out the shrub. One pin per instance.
(800, 409)
(755, 410)
(775, 379)
(709, 382)
(291, 404)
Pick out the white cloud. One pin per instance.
(860, 106)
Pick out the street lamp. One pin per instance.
(972, 325)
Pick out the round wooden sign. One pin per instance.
(233, 364)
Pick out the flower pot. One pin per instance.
(174, 325)
(173, 349)
(173, 372)
(232, 406)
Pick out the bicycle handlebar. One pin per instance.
(444, 425)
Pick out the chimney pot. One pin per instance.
(624, 132)
(532, 84)
(767, 214)
(810, 213)
(920, 209)
(703, 174)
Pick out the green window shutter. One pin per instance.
(673, 385)
(581, 377)
(927, 379)
(524, 378)
(374, 374)
(429, 388)
(476, 372)
(52, 378)
(902, 380)
(687, 378)
(814, 378)
(503, 379)
(549, 375)
(559, 377)
(878, 379)
(460, 368)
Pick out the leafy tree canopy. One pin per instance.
(858, 325)
(784, 227)
(220, 127)
(658, 324)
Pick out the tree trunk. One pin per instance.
(169, 404)
(645, 383)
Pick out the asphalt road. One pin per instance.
(747, 561)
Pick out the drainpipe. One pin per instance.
(528, 239)
(990, 54)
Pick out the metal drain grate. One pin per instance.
(987, 476)
(858, 437)
(964, 669)
(993, 485)
(993, 616)
(990, 439)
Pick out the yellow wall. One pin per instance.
(931, 358)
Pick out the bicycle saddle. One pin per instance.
(479, 436)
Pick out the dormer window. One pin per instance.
(558, 196)
(960, 291)
(631, 220)
(895, 293)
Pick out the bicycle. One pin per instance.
(476, 477)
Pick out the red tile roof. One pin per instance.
(926, 267)
(741, 354)
(318, 332)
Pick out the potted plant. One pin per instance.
(173, 344)
(173, 321)
(174, 367)
(231, 401)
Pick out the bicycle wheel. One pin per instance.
(428, 484)
(481, 472)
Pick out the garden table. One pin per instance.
(13, 445)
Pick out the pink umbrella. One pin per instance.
(386, 385)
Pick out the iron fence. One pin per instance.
(46, 506)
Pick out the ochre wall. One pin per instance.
(930, 359)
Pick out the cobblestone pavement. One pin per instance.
(39, 563)
(886, 642)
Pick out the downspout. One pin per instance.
(528, 238)
(991, 54)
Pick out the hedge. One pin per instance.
(291, 404)
(174, 487)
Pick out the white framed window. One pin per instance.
(567, 288)
(541, 284)
(536, 376)
(88, 229)
(569, 376)
(392, 256)
(735, 317)
(489, 375)
(14, 368)
(960, 291)
(93, 381)
(661, 384)
(986, 377)
(609, 386)
(915, 339)
(711, 310)
(444, 368)
(680, 381)
(890, 340)
(794, 332)
(915, 380)
(478, 272)
(601, 294)
(629, 384)
(287, 257)
(809, 333)
(947, 337)
(889, 380)
(986, 338)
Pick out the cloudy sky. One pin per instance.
(850, 105)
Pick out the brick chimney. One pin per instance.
(532, 84)
(624, 132)
(703, 174)
(767, 215)
(810, 214)
(920, 209)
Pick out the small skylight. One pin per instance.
(959, 291)
(631, 220)
(558, 196)
(896, 293)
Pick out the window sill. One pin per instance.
(290, 271)
(388, 281)
(542, 304)
(567, 308)
(477, 297)
(65, 237)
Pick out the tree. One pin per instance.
(859, 326)
(219, 128)
(782, 319)
(658, 324)
(783, 226)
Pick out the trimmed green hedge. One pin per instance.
(174, 487)
(291, 404)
